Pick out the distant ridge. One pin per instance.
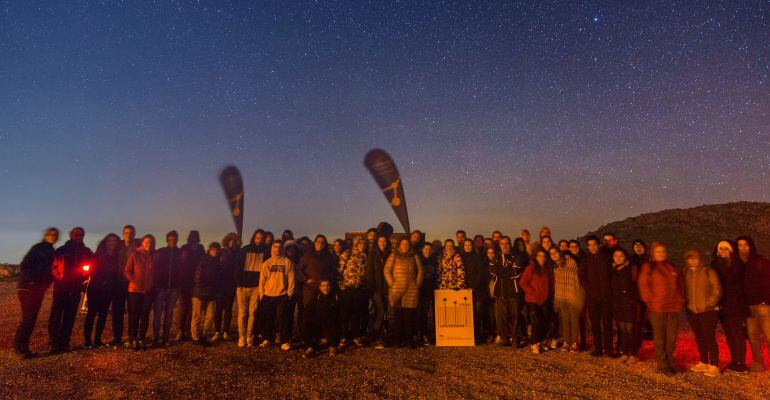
(698, 227)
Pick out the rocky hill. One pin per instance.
(8, 271)
(699, 227)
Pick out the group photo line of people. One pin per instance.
(315, 296)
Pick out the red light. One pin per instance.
(86, 268)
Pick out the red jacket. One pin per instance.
(660, 286)
(535, 285)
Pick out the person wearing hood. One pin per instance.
(625, 303)
(569, 298)
(354, 298)
(426, 327)
(534, 283)
(276, 287)
(643, 328)
(378, 289)
(167, 270)
(315, 266)
(703, 291)
(595, 268)
(756, 287)
(229, 259)
(119, 298)
(192, 253)
(451, 268)
(661, 287)
(247, 291)
(102, 280)
(403, 274)
(206, 282)
(69, 277)
(35, 276)
(732, 306)
(138, 272)
(477, 279)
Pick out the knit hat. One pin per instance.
(725, 243)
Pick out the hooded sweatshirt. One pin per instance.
(756, 276)
(702, 288)
(277, 277)
(252, 257)
(452, 272)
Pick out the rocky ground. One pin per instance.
(221, 371)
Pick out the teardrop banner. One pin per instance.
(232, 184)
(385, 173)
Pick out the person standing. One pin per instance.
(69, 277)
(660, 286)
(138, 272)
(247, 291)
(354, 298)
(205, 284)
(425, 307)
(225, 296)
(119, 298)
(595, 271)
(756, 287)
(375, 277)
(276, 286)
(167, 274)
(703, 291)
(506, 271)
(732, 307)
(192, 253)
(403, 274)
(102, 281)
(451, 269)
(643, 329)
(534, 283)
(34, 279)
(625, 303)
(569, 298)
(477, 277)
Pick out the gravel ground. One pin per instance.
(221, 371)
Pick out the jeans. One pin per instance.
(139, 306)
(704, 326)
(165, 300)
(665, 328)
(30, 301)
(63, 313)
(507, 312)
(569, 317)
(98, 300)
(600, 314)
(277, 318)
(248, 302)
(537, 316)
(202, 322)
(757, 324)
(223, 314)
(119, 297)
(736, 335)
(425, 309)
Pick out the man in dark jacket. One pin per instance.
(732, 306)
(128, 245)
(34, 279)
(167, 268)
(756, 289)
(69, 278)
(506, 272)
(192, 253)
(205, 285)
(594, 274)
(247, 291)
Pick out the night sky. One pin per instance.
(499, 115)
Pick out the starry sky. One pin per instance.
(499, 114)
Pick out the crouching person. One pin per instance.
(276, 286)
(322, 320)
(204, 291)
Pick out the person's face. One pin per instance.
(319, 244)
(609, 241)
(544, 232)
(171, 241)
(618, 257)
(574, 248)
(724, 252)
(147, 244)
(360, 245)
(77, 235)
(415, 237)
(324, 287)
(370, 236)
(337, 246)
(526, 236)
(259, 238)
(593, 246)
(693, 262)
(403, 246)
(128, 234)
(460, 237)
(449, 248)
(427, 251)
(489, 243)
(555, 256)
(563, 246)
(468, 246)
(540, 257)
(382, 243)
(51, 237)
(478, 242)
(112, 244)
(547, 243)
(291, 251)
(213, 251)
(496, 237)
(638, 249)
(275, 249)
(743, 248)
(659, 254)
(490, 254)
(505, 246)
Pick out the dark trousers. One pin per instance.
(402, 324)
(314, 328)
(63, 312)
(551, 320)
(736, 335)
(30, 301)
(704, 326)
(183, 315)
(583, 328)
(98, 300)
(425, 310)
(507, 316)
(118, 302)
(665, 328)
(139, 306)
(277, 318)
(354, 307)
(642, 325)
(223, 313)
(380, 308)
(479, 322)
(626, 338)
(600, 314)
(163, 313)
(536, 315)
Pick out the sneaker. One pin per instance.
(265, 344)
(565, 348)
(711, 371)
(286, 346)
(554, 344)
(623, 359)
(88, 345)
(98, 345)
(225, 336)
(250, 342)
(574, 348)
(425, 341)
(308, 353)
(535, 348)
(498, 340)
(699, 367)
(115, 343)
(379, 345)
(757, 367)
(216, 337)
(332, 352)
(242, 342)
(357, 342)
(597, 353)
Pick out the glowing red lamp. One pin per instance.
(86, 268)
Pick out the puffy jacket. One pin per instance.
(702, 289)
(138, 271)
(403, 273)
(167, 268)
(661, 287)
(36, 267)
(68, 266)
(534, 282)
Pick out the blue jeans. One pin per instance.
(165, 300)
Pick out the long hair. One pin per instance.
(101, 249)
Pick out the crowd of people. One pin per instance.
(299, 293)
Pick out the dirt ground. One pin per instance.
(223, 371)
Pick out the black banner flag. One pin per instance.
(232, 184)
(385, 173)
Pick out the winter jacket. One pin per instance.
(277, 277)
(252, 257)
(124, 251)
(318, 266)
(375, 270)
(731, 275)
(567, 287)
(403, 274)
(534, 282)
(68, 264)
(702, 288)
(138, 271)
(452, 273)
(756, 276)
(36, 269)
(323, 309)
(623, 292)
(104, 271)
(594, 273)
(352, 270)
(192, 254)
(476, 274)
(229, 260)
(661, 287)
(429, 274)
(206, 278)
(167, 268)
(506, 273)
